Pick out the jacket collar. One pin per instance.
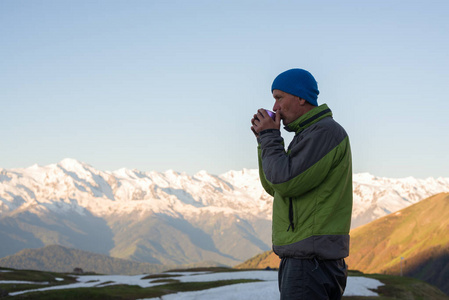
(309, 118)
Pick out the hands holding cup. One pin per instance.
(265, 119)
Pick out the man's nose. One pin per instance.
(275, 107)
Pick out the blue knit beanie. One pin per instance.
(297, 82)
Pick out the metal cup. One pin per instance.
(271, 114)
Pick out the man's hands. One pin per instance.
(262, 121)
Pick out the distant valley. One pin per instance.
(57, 258)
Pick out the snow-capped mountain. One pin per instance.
(375, 197)
(166, 218)
(72, 185)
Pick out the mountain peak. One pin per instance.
(364, 177)
(71, 164)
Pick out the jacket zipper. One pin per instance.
(290, 215)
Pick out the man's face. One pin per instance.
(288, 106)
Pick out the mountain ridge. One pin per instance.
(164, 218)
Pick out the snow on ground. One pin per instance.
(356, 286)
(247, 291)
(93, 281)
(362, 286)
(267, 289)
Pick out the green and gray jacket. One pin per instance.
(311, 184)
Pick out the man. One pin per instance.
(311, 184)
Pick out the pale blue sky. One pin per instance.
(158, 85)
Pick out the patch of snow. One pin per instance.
(247, 291)
(362, 286)
(96, 281)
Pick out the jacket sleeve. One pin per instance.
(266, 185)
(303, 167)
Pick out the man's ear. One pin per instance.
(302, 101)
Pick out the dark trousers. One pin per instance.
(312, 279)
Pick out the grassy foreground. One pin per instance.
(118, 292)
(394, 288)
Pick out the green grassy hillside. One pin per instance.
(264, 260)
(418, 234)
